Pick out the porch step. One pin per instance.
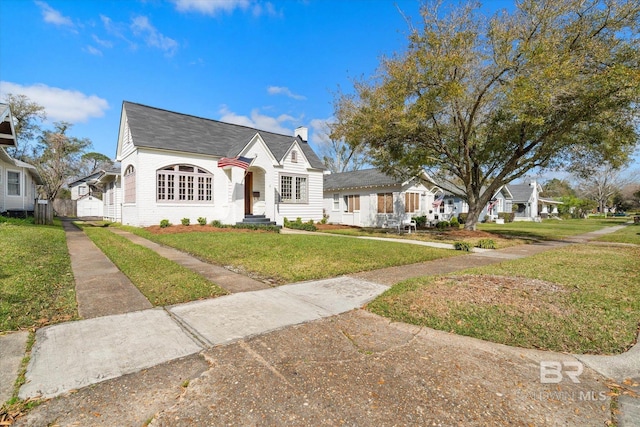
(256, 220)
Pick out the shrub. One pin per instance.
(299, 225)
(202, 220)
(216, 223)
(421, 221)
(462, 218)
(185, 221)
(442, 225)
(486, 244)
(271, 228)
(454, 222)
(462, 246)
(507, 216)
(164, 223)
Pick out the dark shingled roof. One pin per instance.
(520, 192)
(359, 179)
(156, 128)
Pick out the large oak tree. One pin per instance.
(480, 101)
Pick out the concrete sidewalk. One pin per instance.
(73, 355)
(101, 288)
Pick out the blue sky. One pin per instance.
(274, 66)
(270, 65)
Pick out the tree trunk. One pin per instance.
(473, 216)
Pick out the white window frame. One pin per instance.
(336, 201)
(19, 183)
(351, 203)
(178, 184)
(299, 191)
(294, 156)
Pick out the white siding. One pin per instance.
(306, 211)
(148, 211)
(126, 142)
(368, 215)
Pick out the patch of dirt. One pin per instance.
(520, 294)
(173, 229)
(468, 234)
(335, 227)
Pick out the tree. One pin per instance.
(57, 157)
(337, 155)
(558, 188)
(93, 162)
(27, 116)
(478, 102)
(600, 183)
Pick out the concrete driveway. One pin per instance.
(351, 369)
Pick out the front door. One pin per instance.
(248, 194)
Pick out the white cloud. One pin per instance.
(259, 121)
(101, 42)
(265, 9)
(211, 7)
(94, 51)
(141, 26)
(53, 16)
(280, 90)
(60, 104)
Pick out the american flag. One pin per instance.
(492, 204)
(241, 162)
(438, 201)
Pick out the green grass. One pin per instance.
(287, 258)
(549, 229)
(36, 281)
(629, 234)
(596, 308)
(162, 281)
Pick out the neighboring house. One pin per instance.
(178, 166)
(110, 183)
(18, 179)
(528, 205)
(450, 202)
(370, 198)
(87, 196)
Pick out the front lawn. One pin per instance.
(549, 229)
(36, 281)
(286, 258)
(629, 234)
(162, 281)
(576, 299)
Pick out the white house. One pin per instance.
(110, 183)
(178, 166)
(88, 199)
(529, 206)
(18, 179)
(370, 198)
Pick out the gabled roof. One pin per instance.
(20, 164)
(366, 178)
(89, 178)
(166, 130)
(520, 192)
(7, 131)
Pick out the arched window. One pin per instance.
(130, 184)
(184, 184)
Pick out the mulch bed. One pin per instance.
(174, 229)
